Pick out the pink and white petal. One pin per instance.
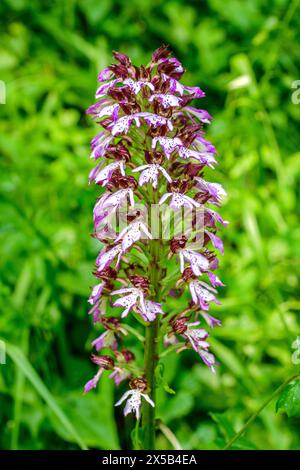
(105, 74)
(165, 173)
(215, 281)
(191, 201)
(148, 399)
(123, 398)
(130, 238)
(193, 293)
(124, 290)
(181, 258)
(144, 228)
(131, 198)
(140, 168)
(145, 177)
(164, 198)
(216, 241)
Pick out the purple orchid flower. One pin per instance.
(132, 233)
(100, 144)
(103, 175)
(214, 280)
(96, 293)
(215, 190)
(198, 262)
(150, 173)
(196, 337)
(166, 100)
(202, 294)
(104, 363)
(134, 298)
(178, 200)
(151, 149)
(134, 401)
(137, 85)
(151, 310)
(168, 144)
(106, 257)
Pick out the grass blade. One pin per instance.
(22, 362)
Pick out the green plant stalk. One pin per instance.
(151, 342)
(169, 435)
(150, 365)
(259, 410)
(18, 395)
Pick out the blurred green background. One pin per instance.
(244, 55)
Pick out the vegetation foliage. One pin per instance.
(244, 55)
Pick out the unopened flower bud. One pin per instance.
(139, 384)
(177, 243)
(105, 362)
(179, 325)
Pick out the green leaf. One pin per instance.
(228, 432)
(168, 389)
(289, 400)
(160, 380)
(22, 362)
(223, 423)
(135, 436)
(176, 407)
(88, 413)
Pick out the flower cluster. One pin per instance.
(151, 149)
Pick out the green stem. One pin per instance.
(150, 365)
(259, 410)
(169, 435)
(151, 343)
(18, 395)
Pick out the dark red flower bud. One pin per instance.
(161, 53)
(107, 273)
(153, 156)
(178, 186)
(108, 287)
(139, 281)
(179, 325)
(193, 169)
(134, 215)
(171, 67)
(186, 99)
(157, 82)
(211, 257)
(118, 152)
(142, 73)
(127, 355)
(119, 70)
(159, 131)
(118, 181)
(122, 58)
(188, 274)
(123, 93)
(202, 197)
(178, 243)
(106, 122)
(106, 362)
(130, 108)
(139, 384)
(110, 323)
(189, 133)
